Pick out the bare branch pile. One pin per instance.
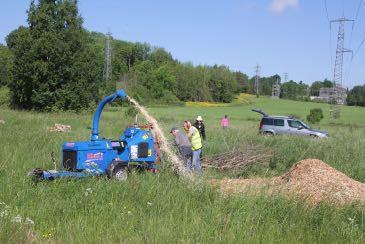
(238, 159)
(59, 128)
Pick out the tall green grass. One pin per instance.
(165, 208)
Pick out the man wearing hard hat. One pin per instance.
(200, 126)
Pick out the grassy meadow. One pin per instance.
(165, 208)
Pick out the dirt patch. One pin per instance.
(310, 179)
(238, 159)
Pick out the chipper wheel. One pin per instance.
(117, 170)
(36, 174)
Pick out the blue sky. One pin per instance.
(290, 36)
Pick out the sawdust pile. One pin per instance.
(238, 159)
(310, 179)
(177, 164)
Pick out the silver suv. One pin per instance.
(283, 125)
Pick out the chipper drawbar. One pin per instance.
(137, 147)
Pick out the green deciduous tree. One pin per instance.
(160, 56)
(55, 65)
(317, 85)
(315, 115)
(356, 96)
(222, 84)
(242, 82)
(289, 90)
(293, 90)
(6, 64)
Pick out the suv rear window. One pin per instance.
(278, 122)
(267, 121)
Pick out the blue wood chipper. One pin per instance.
(137, 147)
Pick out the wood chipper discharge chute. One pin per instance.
(136, 147)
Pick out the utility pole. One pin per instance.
(257, 80)
(107, 72)
(338, 96)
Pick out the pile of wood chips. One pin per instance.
(310, 179)
(238, 159)
(59, 128)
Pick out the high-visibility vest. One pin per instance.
(196, 141)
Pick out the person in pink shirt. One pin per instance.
(224, 122)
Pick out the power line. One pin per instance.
(347, 75)
(355, 19)
(325, 6)
(354, 55)
(358, 9)
(330, 32)
(358, 49)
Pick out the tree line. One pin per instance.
(53, 64)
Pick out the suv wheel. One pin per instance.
(268, 133)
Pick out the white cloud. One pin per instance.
(279, 6)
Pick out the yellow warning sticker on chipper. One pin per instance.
(145, 137)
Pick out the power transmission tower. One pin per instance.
(284, 92)
(275, 92)
(338, 96)
(107, 72)
(285, 77)
(257, 80)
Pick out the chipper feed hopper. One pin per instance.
(136, 147)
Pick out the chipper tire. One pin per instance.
(36, 174)
(117, 170)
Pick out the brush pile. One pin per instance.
(238, 159)
(311, 180)
(59, 128)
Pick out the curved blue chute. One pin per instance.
(95, 131)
